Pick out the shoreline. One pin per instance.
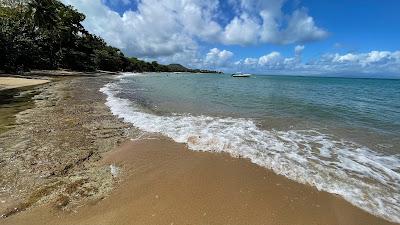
(159, 181)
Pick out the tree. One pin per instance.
(44, 13)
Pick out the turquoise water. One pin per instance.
(339, 135)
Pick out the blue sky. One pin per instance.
(259, 36)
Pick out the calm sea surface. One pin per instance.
(339, 135)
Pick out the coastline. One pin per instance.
(160, 182)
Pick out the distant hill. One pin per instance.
(179, 68)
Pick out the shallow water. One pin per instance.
(11, 103)
(338, 135)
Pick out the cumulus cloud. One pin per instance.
(264, 21)
(153, 30)
(218, 57)
(374, 62)
(272, 59)
(241, 30)
(300, 27)
(170, 28)
(249, 61)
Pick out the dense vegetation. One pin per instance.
(46, 34)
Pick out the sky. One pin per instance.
(294, 37)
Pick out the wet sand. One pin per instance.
(15, 82)
(49, 152)
(165, 183)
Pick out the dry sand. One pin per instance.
(14, 82)
(165, 183)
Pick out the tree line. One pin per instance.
(46, 34)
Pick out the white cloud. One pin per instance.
(377, 57)
(154, 30)
(176, 27)
(263, 21)
(197, 18)
(371, 62)
(298, 52)
(250, 61)
(271, 60)
(241, 30)
(300, 26)
(216, 57)
(374, 62)
(345, 58)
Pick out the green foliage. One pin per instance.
(110, 59)
(178, 68)
(17, 49)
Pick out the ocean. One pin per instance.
(339, 135)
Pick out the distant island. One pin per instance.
(180, 68)
(48, 35)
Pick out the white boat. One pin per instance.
(241, 74)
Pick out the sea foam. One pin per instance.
(363, 177)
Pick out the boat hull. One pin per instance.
(241, 75)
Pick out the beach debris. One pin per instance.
(114, 170)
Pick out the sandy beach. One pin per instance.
(15, 82)
(70, 161)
